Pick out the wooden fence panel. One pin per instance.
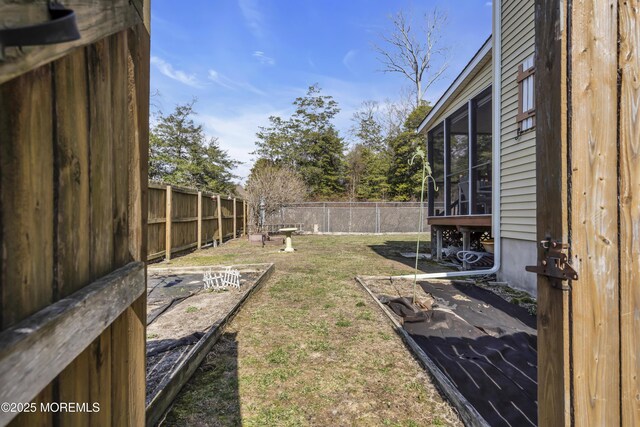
(227, 218)
(135, 316)
(184, 219)
(73, 156)
(27, 279)
(587, 69)
(209, 218)
(183, 225)
(73, 222)
(594, 205)
(240, 215)
(156, 220)
(629, 170)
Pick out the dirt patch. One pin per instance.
(189, 307)
(392, 289)
(180, 315)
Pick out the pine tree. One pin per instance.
(368, 160)
(308, 143)
(404, 179)
(180, 154)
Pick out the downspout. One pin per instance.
(496, 57)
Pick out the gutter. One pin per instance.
(495, 217)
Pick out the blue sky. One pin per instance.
(248, 59)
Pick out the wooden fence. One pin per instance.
(588, 197)
(74, 120)
(198, 218)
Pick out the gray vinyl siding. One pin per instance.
(473, 86)
(518, 156)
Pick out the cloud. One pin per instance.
(231, 84)
(312, 64)
(262, 58)
(167, 69)
(252, 16)
(216, 77)
(347, 60)
(236, 132)
(488, 4)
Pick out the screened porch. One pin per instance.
(459, 150)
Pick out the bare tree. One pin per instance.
(395, 113)
(367, 127)
(272, 186)
(417, 55)
(356, 168)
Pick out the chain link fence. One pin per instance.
(351, 217)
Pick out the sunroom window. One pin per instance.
(481, 157)
(460, 150)
(436, 160)
(458, 172)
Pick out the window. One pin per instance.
(457, 177)
(526, 117)
(460, 151)
(481, 156)
(436, 160)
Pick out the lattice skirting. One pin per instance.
(452, 237)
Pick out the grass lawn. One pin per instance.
(310, 347)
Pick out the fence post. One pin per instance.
(244, 217)
(235, 219)
(324, 219)
(199, 220)
(219, 218)
(167, 233)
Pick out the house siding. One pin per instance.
(518, 154)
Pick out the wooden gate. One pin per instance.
(73, 166)
(588, 176)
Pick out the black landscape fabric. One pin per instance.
(484, 344)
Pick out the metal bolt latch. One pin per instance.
(555, 262)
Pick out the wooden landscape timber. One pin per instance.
(172, 386)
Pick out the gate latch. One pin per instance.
(555, 263)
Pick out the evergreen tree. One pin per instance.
(404, 179)
(180, 154)
(368, 161)
(374, 184)
(277, 143)
(308, 143)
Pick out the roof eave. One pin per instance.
(476, 62)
